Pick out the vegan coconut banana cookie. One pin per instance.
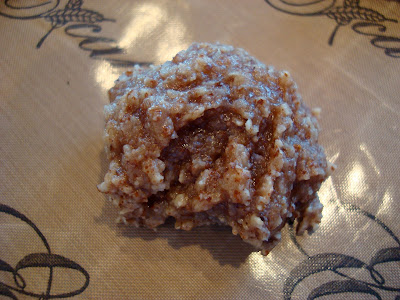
(214, 137)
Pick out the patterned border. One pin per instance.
(37, 260)
(364, 21)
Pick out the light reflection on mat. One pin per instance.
(106, 74)
(150, 19)
(356, 180)
(145, 19)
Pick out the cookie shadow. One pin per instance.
(219, 241)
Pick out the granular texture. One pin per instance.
(213, 137)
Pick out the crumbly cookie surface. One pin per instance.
(213, 136)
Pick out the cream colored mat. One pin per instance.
(57, 232)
